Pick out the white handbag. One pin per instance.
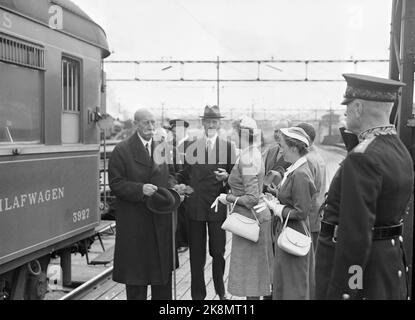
(294, 242)
(242, 226)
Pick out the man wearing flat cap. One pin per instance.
(360, 252)
(207, 155)
(143, 246)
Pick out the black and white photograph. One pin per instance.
(207, 155)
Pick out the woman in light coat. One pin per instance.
(250, 273)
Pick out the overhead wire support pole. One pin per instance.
(218, 82)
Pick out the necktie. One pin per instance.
(208, 145)
(148, 149)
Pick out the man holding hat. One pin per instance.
(360, 253)
(207, 155)
(143, 246)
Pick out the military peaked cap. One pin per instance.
(371, 88)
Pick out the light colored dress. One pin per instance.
(250, 273)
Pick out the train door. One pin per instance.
(71, 101)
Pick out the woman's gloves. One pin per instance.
(273, 204)
(221, 199)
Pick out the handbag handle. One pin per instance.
(253, 212)
(302, 222)
(234, 204)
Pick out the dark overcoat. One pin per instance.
(143, 246)
(371, 189)
(198, 172)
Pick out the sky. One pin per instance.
(238, 30)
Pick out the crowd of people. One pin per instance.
(356, 223)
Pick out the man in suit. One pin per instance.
(360, 248)
(203, 157)
(180, 141)
(143, 246)
(275, 165)
(317, 167)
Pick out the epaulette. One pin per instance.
(362, 147)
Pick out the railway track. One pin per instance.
(89, 286)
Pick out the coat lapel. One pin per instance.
(139, 151)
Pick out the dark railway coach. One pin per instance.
(52, 93)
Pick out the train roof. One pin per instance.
(75, 21)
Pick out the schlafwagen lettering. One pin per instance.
(31, 199)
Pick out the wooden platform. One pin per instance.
(114, 291)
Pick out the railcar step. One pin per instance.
(104, 258)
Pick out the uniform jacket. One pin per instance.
(318, 170)
(372, 188)
(143, 247)
(199, 174)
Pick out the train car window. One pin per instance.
(71, 106)
(21, 91)
(22, 53)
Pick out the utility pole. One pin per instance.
(330, 119)
(218, 85)
(162, 114)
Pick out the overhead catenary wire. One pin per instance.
(219, 62)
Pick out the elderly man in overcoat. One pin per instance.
(143, 246)
(360, 253)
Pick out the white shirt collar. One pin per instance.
(293, 167)
(213, 139)
(150, 142)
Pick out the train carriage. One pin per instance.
(52, 92)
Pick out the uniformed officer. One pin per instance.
(360, 253)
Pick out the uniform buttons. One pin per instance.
(400, 238)
(399, 273)
(393, 242)
(346, 296)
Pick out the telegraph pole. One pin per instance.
(218, 80)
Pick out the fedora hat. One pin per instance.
(163, 201)
(212, 113)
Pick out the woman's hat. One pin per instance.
(212, 113)
(297, 134)
(248, 123)
(163, 201)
